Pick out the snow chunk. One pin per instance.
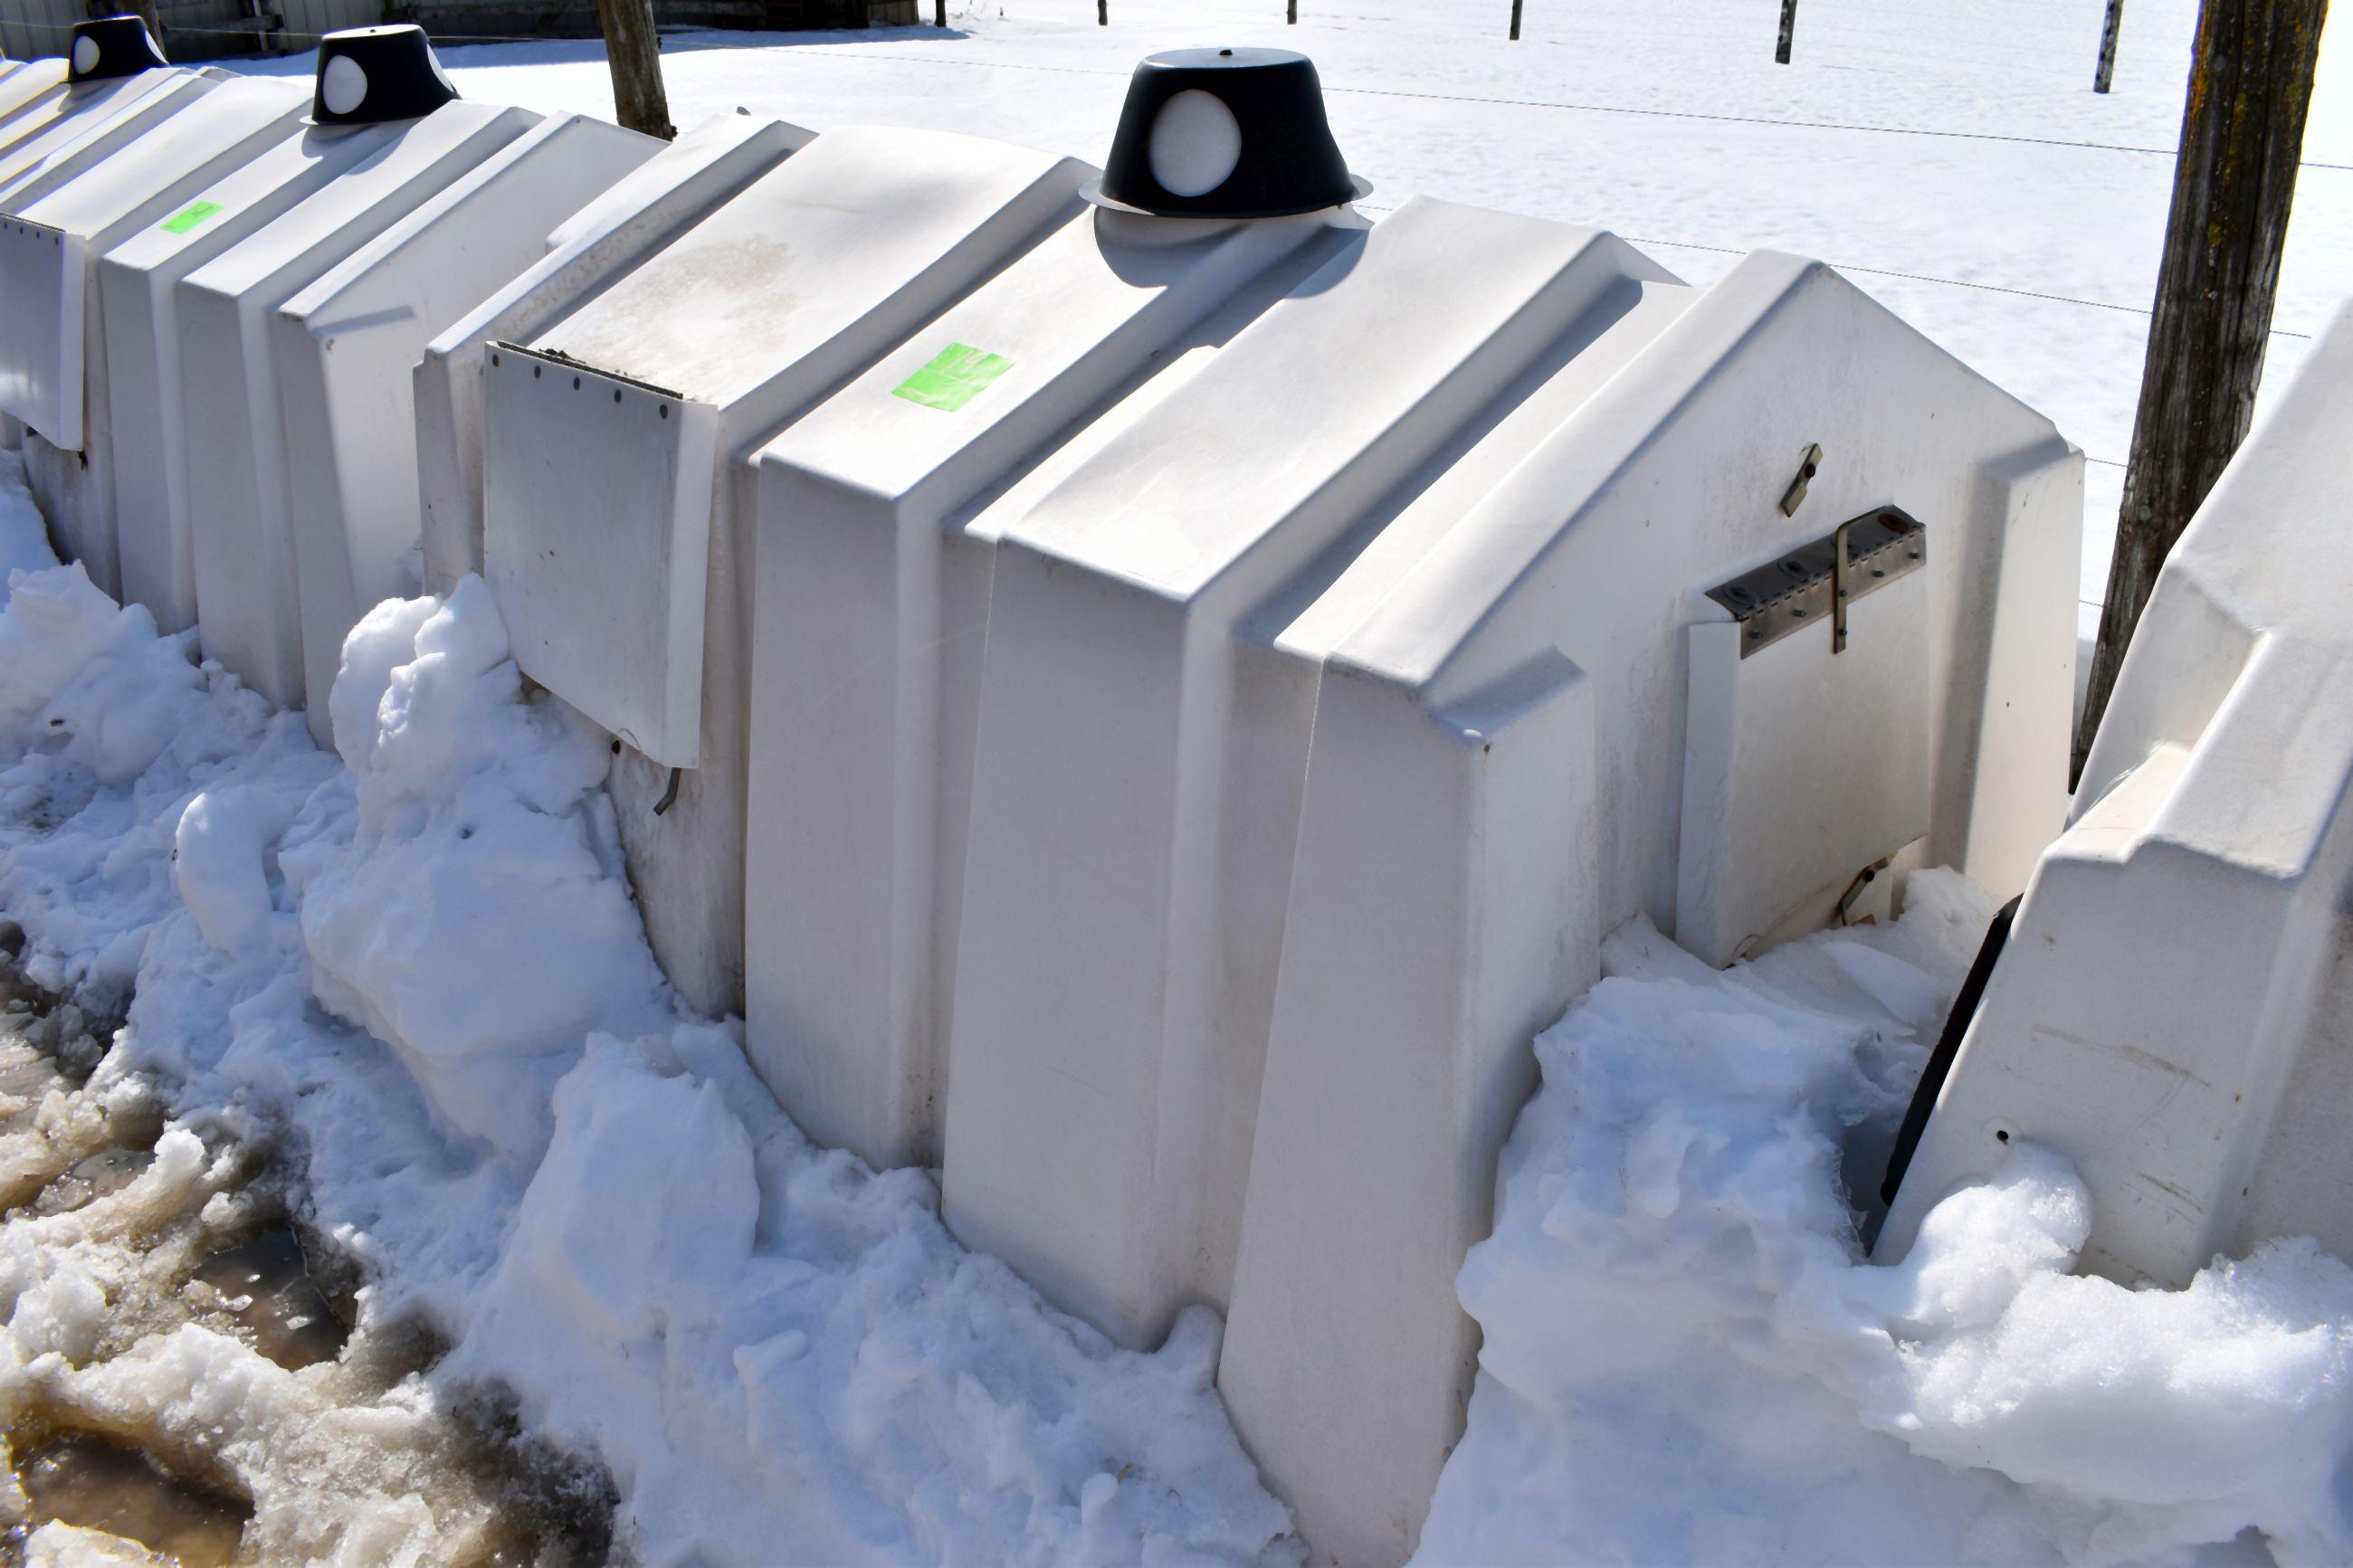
(466, 910)
(59, 1545)
(57, 623)
(222, 856)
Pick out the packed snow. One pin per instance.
(23, 535)
(1687, 1358)
(584, 1190)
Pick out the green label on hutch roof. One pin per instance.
(958, 375)
(191, 216)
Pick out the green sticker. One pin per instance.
(956, 376)
(195, 215)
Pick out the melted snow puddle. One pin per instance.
(93, 1484)
(177, 1385)
(265, 1285)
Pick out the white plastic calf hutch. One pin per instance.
(138, 297)
(1617, 682)
(616, 487)
(2173, 1006)
(52, 339)
(879, 514)
(674, 189)
(239, 515)
(345, 348)
(1362, 642)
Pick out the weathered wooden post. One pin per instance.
(634, 51)
(1102, 13)
(1516, 21)
(939, 12)
(1788, 28)
(1292, 13)
(2106, 72)
(2242, 139)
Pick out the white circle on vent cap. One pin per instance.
(85, 58)
(1196, 142)
(343, 86)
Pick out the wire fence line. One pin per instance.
(1583, 108)
(1911, 276)
(1564, 105)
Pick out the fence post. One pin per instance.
(1102, 13)
(939, 12)
(1789, 27)
(634, 51)
(1293, 16)
(1516, 21)
(2242, 139)
(2106, 72)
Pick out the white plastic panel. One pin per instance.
(872, 582)
(43, 110)
(798, 282)
(682, 182)
(601, 584)
(771, 282)
(87, 123)
(2172, 1009)
(43, 315)
(1111, 993)
(345, 347)
(240, 517)
(137, 285)
(785, 280)
(143, 181)
(25, 82)
(1801, 766)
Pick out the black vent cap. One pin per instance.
(368, 75)
(1225, 134)
(111, 46)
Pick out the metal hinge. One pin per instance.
(1822, 578)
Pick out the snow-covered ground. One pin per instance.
(418, 959)
(1949, 154)
(425, 968)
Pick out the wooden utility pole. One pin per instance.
(2106, 70)
(2242, 139)
(1516, 21)
(634, 51)
(1788, 30)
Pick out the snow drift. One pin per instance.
(425, 968)
(1688, 1360)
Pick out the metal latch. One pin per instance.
(1821, 579)
(1807, 467)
